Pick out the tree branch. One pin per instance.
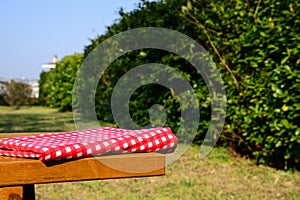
(199, 24)
(248, 4)
(256, 10)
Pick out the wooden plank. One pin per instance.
(7, 193)
(25, 192)
(11, 135)
(28, 192)
(23, 171)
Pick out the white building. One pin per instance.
(35, 89)
(50, 65)
(34, 84)
(3, 81)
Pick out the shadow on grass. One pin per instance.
(36, 122)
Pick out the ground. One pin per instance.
(218, 176)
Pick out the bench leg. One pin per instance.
(28, 192)
(25, 192)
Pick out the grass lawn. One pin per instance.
(218, 176)
(34, 119)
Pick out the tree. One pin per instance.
(18, 93)
(256, 47)
(256, 44)
(56, 86)
(44, 88)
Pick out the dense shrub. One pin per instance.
(259, 41)
(56, 86)
(156, 15)
(2, 100)
(18, 94)
(256, 46)
(44, 89)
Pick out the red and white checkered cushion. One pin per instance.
(90, 142)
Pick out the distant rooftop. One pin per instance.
(7, 80)
(50, 65)
(4, 80)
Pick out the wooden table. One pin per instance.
(18, 175)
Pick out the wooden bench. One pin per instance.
(19, 175)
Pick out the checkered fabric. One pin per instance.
(90, 142)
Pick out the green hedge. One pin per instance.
(259, 41)
(156, 15)
(256, 46)
(56, 85)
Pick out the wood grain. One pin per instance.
(14, 193)
(12, 135)
(22, 171)
(25, 192)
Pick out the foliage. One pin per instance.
(2, 100)
(259, 42)
(18, 93)
(256, 46)
(56, 86)
(44, 89)
(153, 14)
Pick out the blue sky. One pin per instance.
(32, 31)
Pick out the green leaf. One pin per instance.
(284, 60)
(297, 132)
(263, 34)
(278, 144)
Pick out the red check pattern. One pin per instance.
(90, 142)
